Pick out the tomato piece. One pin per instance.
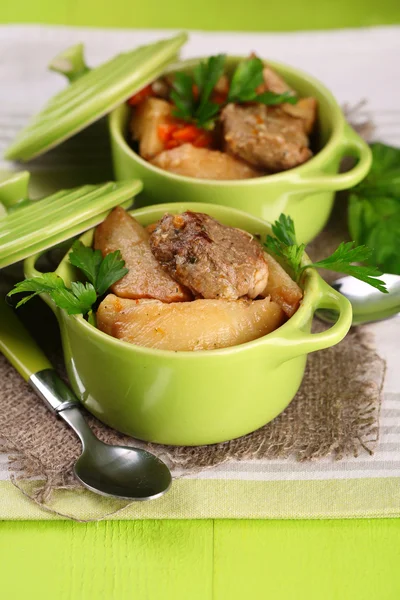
(144, 93)
(171, 144)
(166, 130)
(219, 98)
(187, 133)
(195, 91)
(203, 140)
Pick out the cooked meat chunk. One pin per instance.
(203, 163)
(211, 259)
(265, 137)
(185, 326)
(147, 117)
(281, 288)
(305, 109)
(146, 278)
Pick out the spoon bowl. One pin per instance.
(118, 471)
(369, 304)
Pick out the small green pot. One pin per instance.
(194, 398)
(305, 192)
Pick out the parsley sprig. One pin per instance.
(247, 77)
(80, 297)
(200, 109)
(285, 246)
(374, 208)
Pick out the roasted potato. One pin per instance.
(306, 110)
(197, 325)
(274, 82)
(281, 287)
(146, 278)
(147, 117)
(203, 163)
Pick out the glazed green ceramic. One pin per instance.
(306, 192)
(194, 398)
(91, 93)
(28, 227)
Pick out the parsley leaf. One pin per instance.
(207, 78)
(182, 96)
(112, 269)
(80, 297)
(101, 272)
(77, 300)
(247, 77)
(285, 247)
(374, 209)
(86, 259)
(200, 109)
(347, 253)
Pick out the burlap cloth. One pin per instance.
(335, 413)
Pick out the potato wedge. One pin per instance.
(306, 110)
(146, 278)
(281, 287)
(273, 82)
(203, 163)
(145, 122)
(197, 325)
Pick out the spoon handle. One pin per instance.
(24, 354)
(18, 346)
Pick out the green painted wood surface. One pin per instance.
(149, 560)
(307, 560)
(253, 15)
(201, 560)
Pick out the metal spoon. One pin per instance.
(119, 471)
(369, 304)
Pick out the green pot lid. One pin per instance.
(91, 94)
(28, 227)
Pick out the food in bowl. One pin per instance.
(183, 398)
(192, 284)
(305, 192)
(215, 124)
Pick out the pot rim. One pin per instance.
(315, 291)
(336, 138)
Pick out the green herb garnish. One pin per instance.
(374, 209)
(199, 108)
(285, 247)
(247, 77)
(80, 297)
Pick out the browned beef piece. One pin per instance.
(211, 259)
(266, 137)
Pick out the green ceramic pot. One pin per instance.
(194, 398)
(306, 192)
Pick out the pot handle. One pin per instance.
(30, 271)
(70, 63)
(298, 342)
(352, 145)
(13, 189)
